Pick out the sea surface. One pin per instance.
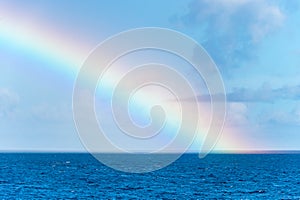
(217, 176)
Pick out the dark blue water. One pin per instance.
(80, 176)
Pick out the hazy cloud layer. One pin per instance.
(282, 117)
(8, 102)
(52, 112)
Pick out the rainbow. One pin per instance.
(66, 56)
(43, 44)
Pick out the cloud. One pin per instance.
(264, 94)
(231, 29)
(52, 113)
(283, 117)
(237, 114)
(8, 102)
(238, 101)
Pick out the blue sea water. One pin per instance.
(218, 176)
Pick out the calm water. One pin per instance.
(80, 176)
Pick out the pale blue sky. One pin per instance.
(255, 44)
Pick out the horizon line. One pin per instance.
(188, 152)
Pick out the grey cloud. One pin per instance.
(263, 94)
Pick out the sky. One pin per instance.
(254, 43)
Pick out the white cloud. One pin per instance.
(237, 113)
(231, 29)
(259, 16)
(268, 18)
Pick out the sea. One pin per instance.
(217, 176)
